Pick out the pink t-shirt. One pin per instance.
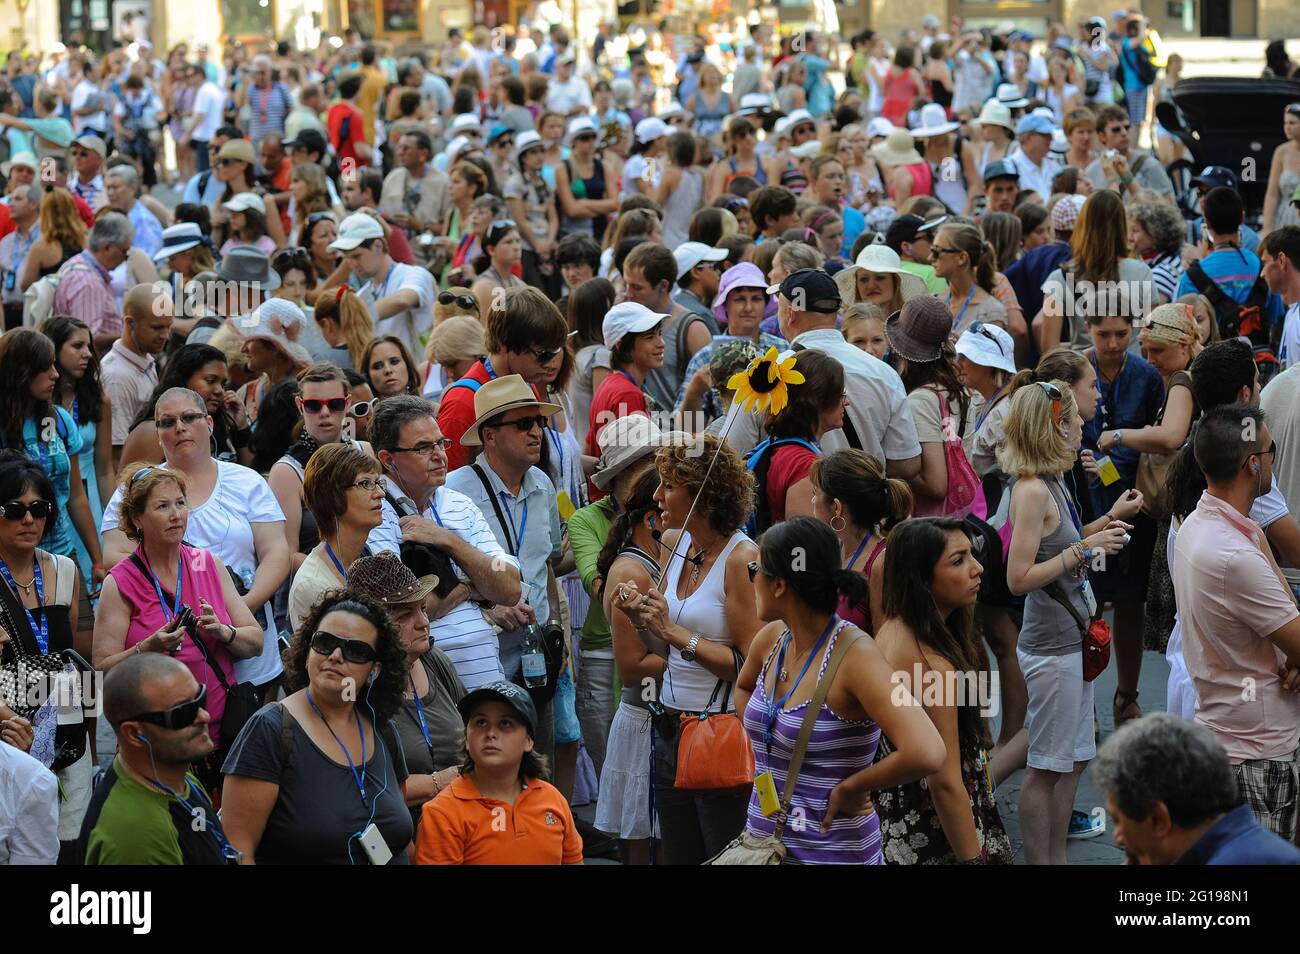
(201, 578)
(1230, 597)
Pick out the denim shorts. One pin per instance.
(567, 729)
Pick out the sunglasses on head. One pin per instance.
(316, 405)
(16, 510)
(503, 224)
(756, 568)
(180, 716)
(462, 300)
(354, 650)
(979, 328)
(1053, 392)
(319, 216)
(289, 253)
(525, 424)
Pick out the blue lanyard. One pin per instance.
(419, 718)
(1074, 514)
(523, 523)
(42, 632)
(228, 851)
(76, 416)
(383, 289)
(365, 552)
(358, 777)
(957, 322)
(1109, 404)
(630, 378)
(487, 366)
(993, 401)
(180, 585)
(774, 706)
(858, 552)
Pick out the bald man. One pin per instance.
(130, 369)
(148, 809)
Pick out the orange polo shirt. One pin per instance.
(462, 827)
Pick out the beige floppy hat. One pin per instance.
(498, 395)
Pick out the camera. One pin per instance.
(188, 622)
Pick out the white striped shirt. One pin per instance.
(467, 638)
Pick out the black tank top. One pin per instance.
(592, 187)
(68, 252)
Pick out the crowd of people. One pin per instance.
(468, 443)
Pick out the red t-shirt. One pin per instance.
(787, 465)
(6, 221)
(456, 415)
(618, 396)
(345, 148)
(399, 249)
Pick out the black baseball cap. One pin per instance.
(309, 139)
(516, 697)
(906, 228)
(1212, 176)
(1001, 169)
(813, 288)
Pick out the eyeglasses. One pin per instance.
(805, 128)
(503, 142)
(503, 224)
(368, 484)
(524, 423)
(755, 569)
(1272, 451)
(979, 328)
(179, 716)
(16, 510)
(424, 448)
(320, 217)
(937, 251)
(316, 405)
(294, 253)
(189, 419)
(362, 408)
(467, 302)
(79, 153)
(354, 650)
(585, 137)
(228, 161)
(1053, 392)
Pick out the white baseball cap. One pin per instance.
(526, 140)
(652, 128)
(464, 124)
(690, 254)
(355, 230)
(989, 346)
(627, 318)
(879, 127)
(578, 126)
(245, 201)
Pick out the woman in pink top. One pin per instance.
(902, 86)
(853, 496)
(145, 594)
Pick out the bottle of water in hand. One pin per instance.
(534, 661)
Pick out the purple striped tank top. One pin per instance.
(837, 748)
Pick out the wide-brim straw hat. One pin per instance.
(879, 259)
(497, 396)
(898, 149)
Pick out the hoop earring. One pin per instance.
(843, 523)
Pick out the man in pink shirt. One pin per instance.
(85, 286)
(1241, 629)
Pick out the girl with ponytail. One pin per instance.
(969, 264)
(346, 325)
(852, 495)
(798, 583)
(932, 580)
(631, 555)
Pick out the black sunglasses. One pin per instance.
(319, 216)
(464, 301)
(354, 650)
(316, 405)
(180, 716)
(293, 254)
(524, 423)
(755, 569)
(544, 357)
(979, 328)
(15, 510)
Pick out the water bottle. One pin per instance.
(534, 661)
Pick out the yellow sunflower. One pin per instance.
(764, 383)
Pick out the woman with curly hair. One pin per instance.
(1156, 231)
(704, 610)
(63, 235)
(307, 799)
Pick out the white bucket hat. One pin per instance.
(878, 259)
(934, 122)
(995, 113)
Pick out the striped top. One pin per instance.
(837, 748)
(467, 638)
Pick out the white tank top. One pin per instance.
(688, 685)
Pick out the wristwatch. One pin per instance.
(688, 654)
(1119, 438)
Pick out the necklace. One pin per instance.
(26, 587)
(697, 563)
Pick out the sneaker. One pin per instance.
(1084, 825)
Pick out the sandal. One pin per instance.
(1125, 707)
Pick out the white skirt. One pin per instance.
(623, 807)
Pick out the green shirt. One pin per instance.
(933, 283)
(588, 531)
(128, 823)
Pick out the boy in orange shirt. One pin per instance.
(501, 811)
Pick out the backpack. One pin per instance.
(758, 463)
(965, 495)
(1244, 319)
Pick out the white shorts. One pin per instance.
(1060, 711)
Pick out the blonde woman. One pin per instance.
(308, 195)
(1207, 324)
(63, 235)
(454, 347)
(878, 277)
(346, 325)
(1051, 551)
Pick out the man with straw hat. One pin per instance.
(519, 502)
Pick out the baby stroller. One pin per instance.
(1227, 121)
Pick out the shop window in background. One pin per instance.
(401, 16)
(247, 18)
(361, 16)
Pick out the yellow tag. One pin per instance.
(1107, 471)
(567, 509)
(768, 802)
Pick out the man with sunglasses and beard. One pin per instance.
(507, 485)
(148, 809)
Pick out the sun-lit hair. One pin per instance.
(728, 498)
(1035, 445)
(137, 482)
